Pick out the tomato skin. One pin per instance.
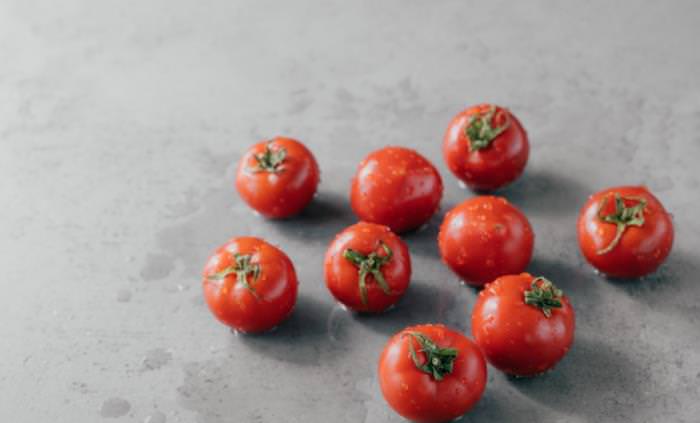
(284, 193)
(233, 304)
(641, 250)
(493, 167)
(414, 394)
(518, 338)
(396, 187)
(342, 276)
(485, 237)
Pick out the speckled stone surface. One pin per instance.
(120, 126)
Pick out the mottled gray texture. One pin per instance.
(121, 121)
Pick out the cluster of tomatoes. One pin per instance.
(521, 324)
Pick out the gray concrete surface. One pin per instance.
(121, 121)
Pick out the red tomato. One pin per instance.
(396, 187)
(486, 147)
(278, 178)
(485, 237)
(250, 285)
(431, 373)
(625, 232)
(524, 325)
(367, 267)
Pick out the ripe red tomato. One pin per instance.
(524, 325)
(625, 232)
(367, 267)
(278, 178)
(250, 285)
(431, 373)
(485, 237)
(396, 187)
(486, 147)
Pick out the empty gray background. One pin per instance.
(120, 126)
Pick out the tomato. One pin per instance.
(485, 237)
(367, 267)
(396, 187)
(431, 373)
(486, 147)
(277, 178)
(524, 325)
(250, 285)
(625, 232)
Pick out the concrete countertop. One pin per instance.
(120, 126)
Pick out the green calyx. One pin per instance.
(370, 264)
(242, 268)
(543, 295)
(271, 159)
(438, 361)
(623, 217)
(481, 131)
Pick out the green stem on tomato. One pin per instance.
(271, 159)
(543, 295)
(370, 264)
(623, 217)
(480, 129)
(438, 362)
(242, 268)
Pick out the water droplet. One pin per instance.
(157, 266)
(155, 417)
(123, 295)
(114, 407)
(155, 359)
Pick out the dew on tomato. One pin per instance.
(396, 187)
(625, 232)
(485, 237)
(277, 178)
(367, 267)
(524, 325)
(495, 158)
(249, 285)
(431, 393)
